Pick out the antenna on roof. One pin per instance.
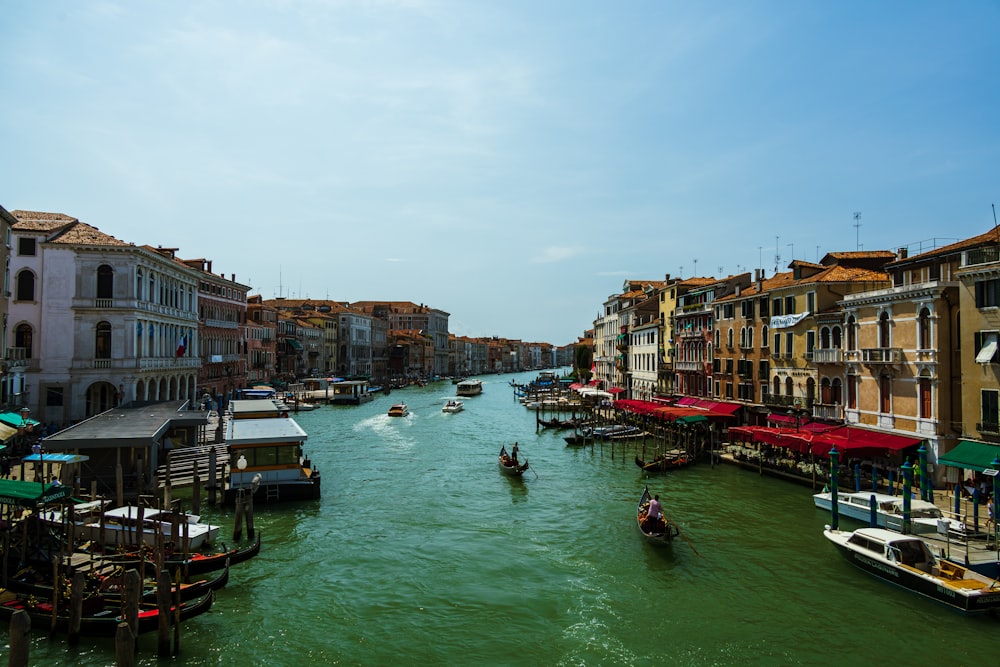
(777, 255)
(857, 229)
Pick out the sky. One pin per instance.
(509, 162)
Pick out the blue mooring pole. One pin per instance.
(857, 477)
(834, 479)
(925, 481)
(892, 482)
(958, 500)
(907, 470)
(872, 511)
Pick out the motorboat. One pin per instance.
(130, 525)
(453, 406)
(907, 561)
(469, 388)
(925, 517)
(398, 410)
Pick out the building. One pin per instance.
(98, 321)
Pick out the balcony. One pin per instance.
(833, 412)
(986, 255)
(988, 427)
(689, 366)
(828, 355)
(874, 356)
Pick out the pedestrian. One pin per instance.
(4, 467)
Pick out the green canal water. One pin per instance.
(421, 552)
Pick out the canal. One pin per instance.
(421, 552)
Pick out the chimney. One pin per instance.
(902, 253)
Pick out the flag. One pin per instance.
(182, 346)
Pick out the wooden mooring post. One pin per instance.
(20, 639)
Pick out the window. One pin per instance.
(885, 394)
(764, 310)
(789, 386)
(810, 343)
(729, 338)
(750, 337)
(811, 302)
(789, 340)
(852, 391)
(883, 331)
(777, 386)
(26, 246)
(990, 413)
(924, 330)
(988, 293)
(777, 343)
(105, 282)
(852, 333)
(746, 309)
(102, 341)
(54, 397)
(836, 337)
(25, 286)
(924, 391)
(776, 307)
(789, 305)
(22, 339)
(728, 311)
(763, 336)
(986, 347)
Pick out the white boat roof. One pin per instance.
(273, 429)
(886, 536)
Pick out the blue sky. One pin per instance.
(509, 162)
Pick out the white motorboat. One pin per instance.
(453, 406)
(925, 517)
(908, 562)
(398, 410)
(121, 526)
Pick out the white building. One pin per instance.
(101, 322)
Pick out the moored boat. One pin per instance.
(664, 462)
(100, 618)
(655, 528)
(510, 465)
(925, 516)
(908, 562)
(130, 525)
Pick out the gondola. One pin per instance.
(100, 617)
(200, 563)
(508, 466)
(31, 582)
(664, 462)
(656, 530)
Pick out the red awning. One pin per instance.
(615, 390)
(726, 408)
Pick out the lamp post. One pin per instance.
(241, 463)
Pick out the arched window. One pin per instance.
(718, 338)
(924, 330)
(852, 392)
(138, 284)
(835, 338)
(105, 282)
(824, 338)
(810, 390)
(883, 331)
(763, 335)
(777, 386)
(924, 397)
(852, 333)
(729, 338)
(743, 337)
(750, 337)
(25, 288)
(825, 391)
(837, 396)
(789, 386)
(102, 341)
(22, 338)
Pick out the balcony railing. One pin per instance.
(881, 355)
(833, 412)
(981, 256)
(988, 427)
(830, 355)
